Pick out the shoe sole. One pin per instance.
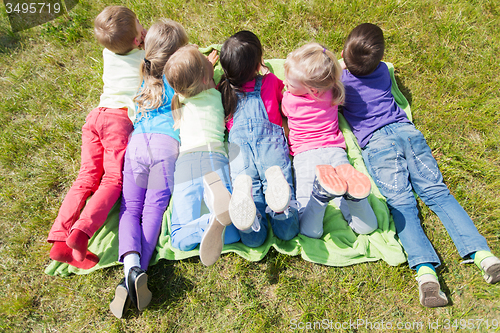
(330, 181)
(242, 208)
(492, 273)
(120, 303)
(211, 243)
(278, 192)
(142, 292)
(430, 295)
(220, 195)
(358, 184)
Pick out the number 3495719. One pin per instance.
(33, 8)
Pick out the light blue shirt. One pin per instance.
(159, 120)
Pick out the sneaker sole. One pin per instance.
(358, 184)
(211, 243)
(278, 192)
(220, 195)
(120, 303)
(242, 208)
(492, 273)
(143, 294)
(430, 295)
(330, 181)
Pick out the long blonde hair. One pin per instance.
(163, 39)
(188, 72)
(316, 67)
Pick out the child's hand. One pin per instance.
(213, 57)
(342, 64)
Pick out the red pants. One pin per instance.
(104, 141)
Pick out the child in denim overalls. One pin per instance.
(259, 162)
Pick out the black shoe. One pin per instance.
(121, 302)
(138, 288)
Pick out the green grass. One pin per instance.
(446, 59)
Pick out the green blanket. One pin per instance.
(339, 246)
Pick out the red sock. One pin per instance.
(62, 253)
(78, 241)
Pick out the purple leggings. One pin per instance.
(148, 179)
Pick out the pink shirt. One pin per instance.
(271, 93)
(313, 123)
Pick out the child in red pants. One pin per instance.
(104, 140)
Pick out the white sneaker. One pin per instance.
(217, 197)
(278, 192)
(491, 269)
(430, 292)
(242, 207)
(212, 242)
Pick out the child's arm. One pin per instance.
(286, 129)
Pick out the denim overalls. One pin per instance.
(261, 145)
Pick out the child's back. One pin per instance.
(322, 169)
(400, 162)
(201, 171)
(260, 168)
(104, 140)
(369, 103)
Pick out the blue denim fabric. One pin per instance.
(188, 224)
(258, 144)
(399, 160)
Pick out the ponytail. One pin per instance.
(229, 97)
(162, 40)
(176, 111)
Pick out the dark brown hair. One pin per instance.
(364, 49)
(240, 58)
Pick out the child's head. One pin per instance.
(189, 73)
(313, 70)
(118, 29)
(163, 39)
(241, 59)
(364, 49)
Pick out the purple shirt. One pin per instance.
(369, 104)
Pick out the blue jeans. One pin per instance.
(188, 225)
(400, 161)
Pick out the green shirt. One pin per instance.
(202, 123)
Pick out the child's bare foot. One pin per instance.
(62, 253)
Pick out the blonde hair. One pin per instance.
(189, 73)
(316, 67)
(115, 28)
(163, 39)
